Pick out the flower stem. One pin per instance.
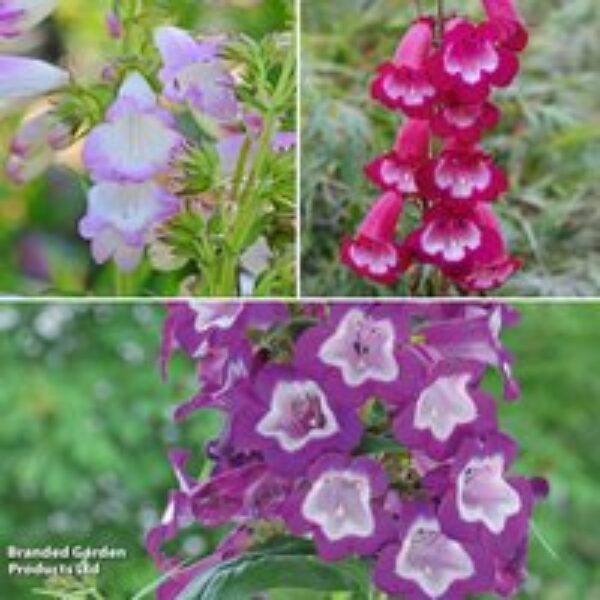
(441, 20)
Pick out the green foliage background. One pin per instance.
(41, 250)
(549, 140)
(85, 428)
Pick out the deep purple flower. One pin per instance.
(427, 564)
(367, 347)
(341, 505)
(484, 502)
(197, 325)
(472, 332)
(449, 406)
(293, 418)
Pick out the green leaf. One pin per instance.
(285, 563)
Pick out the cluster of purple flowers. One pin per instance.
(364, 427)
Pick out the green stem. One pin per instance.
(441, 20)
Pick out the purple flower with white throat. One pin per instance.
(365, 346)
(138, 141)
(193, 72)
(484, 502)
(341, 505)
(472, 332)
(119, 218)
(449, 407)
(293, 418)
(23, 78)
(427, 564)
(19, 16)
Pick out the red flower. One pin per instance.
(462, 174)
(471, 61)
(397, 170)
(454, 240)
(404, 82)
(494, 269)
(507, 23)
(465, 122)
(373, 252)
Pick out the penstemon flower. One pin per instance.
(185, 147)
(362, 427)
(441, 78)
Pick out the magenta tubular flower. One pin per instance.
(453, 240)
(449, 407)
(496, 269)
(404, 83)
(396, 170)
(485, 503)
(373, 253)
(138, 141)
(470, 62)
(367, 348)
(508, 24)
(292, 418)
(341, 506)
(193, 72)
(465, 123)
(427, 564)
(462, 175)
(19, 16)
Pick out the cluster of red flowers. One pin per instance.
(441, 78)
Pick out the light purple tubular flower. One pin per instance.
(138, 140)
(341, 505)
(293, 418)
(484, 502)
(28, 77)
(367, 347)
(194, 73)
(33, 145)
(449, 407)
(427, 564)
(230, 146)
(119, 218)
(19, 16)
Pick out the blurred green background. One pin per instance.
(85, 428)
(40, 248)
(549, 140)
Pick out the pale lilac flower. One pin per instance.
(28, 77)
(119, 218)
(194, 73)
(33, 145)
(19, 16)
(232, 142)
(138, 140)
